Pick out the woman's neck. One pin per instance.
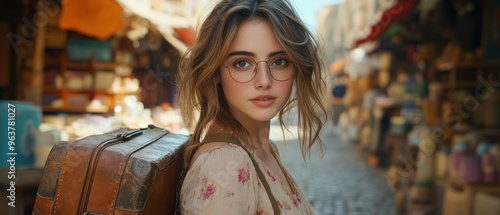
(260, 139)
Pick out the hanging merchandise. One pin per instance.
(487, 162)
(95, 18)
(187, 35)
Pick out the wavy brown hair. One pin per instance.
(199, 92)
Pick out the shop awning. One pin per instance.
(167, 24)
(388, 17)
(101, 19)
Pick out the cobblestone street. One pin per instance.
(339, 183)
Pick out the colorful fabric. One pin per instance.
(99, 19)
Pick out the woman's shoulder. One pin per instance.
(218, 152)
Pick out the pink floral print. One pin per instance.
(229, 194)
(273, 179)
(295, 201)
(287, 206)
(207, 190)
(243, 175)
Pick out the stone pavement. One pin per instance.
(339, 183)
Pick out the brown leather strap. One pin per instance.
(178, 191)
(229, 138)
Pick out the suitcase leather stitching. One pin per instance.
(63, 170)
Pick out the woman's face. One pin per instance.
(261, 98)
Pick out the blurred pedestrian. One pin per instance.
(253, 60)
(338, 92)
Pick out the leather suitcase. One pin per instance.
(124, 171)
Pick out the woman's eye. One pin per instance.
(280, 62)
(241, 64)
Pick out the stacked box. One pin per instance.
(23, 120)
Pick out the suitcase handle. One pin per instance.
(126, 136)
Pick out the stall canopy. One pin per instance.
(165, 22)
(101, 19)
(393, 14)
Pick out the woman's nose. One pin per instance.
(263, 79)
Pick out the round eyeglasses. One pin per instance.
(244, 69)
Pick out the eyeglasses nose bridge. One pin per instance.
(268, 68)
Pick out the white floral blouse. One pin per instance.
(224, 181)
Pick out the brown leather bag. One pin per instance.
(120, 172)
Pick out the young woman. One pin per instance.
(253, 60)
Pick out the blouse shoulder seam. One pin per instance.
(205, 155)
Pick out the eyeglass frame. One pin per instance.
(255, 69)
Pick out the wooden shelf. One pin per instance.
(462, 75)
(50, 109)
(80, 90)
(444, 67)
(86, 65)
(70, 104)
(460, 182)
(88, 91)
(460, 84)
(57, 91)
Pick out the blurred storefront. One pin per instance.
(422, 97)
(76, 68)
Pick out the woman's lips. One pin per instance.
(264, 100)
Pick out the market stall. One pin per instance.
(424, 102)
